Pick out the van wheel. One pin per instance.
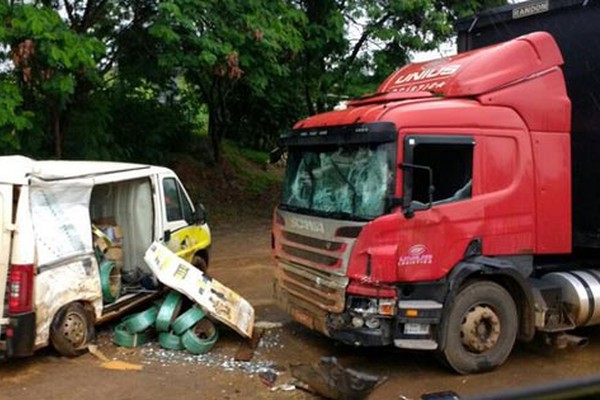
(199, 262)
(482, 328)
(72, 329)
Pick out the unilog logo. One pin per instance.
(307, 225)
(417, 254)
(427, 79)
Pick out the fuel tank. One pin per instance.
(581, 293)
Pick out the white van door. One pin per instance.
(6, 226)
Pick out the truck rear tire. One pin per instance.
(481, 330)
(72, 329)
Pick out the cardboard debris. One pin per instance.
(220, 302)
(93, 349)
(121, 366)
(113, 364)
(114, 253)
(268, 325)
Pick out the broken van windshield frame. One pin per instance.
(340, 181)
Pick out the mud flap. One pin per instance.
(22, 342)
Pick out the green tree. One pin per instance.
(215, 44)
(48, 58)
(350, 46)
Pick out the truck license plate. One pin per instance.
(416, 329)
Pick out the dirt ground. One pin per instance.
(241, 260)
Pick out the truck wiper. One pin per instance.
(350, 185)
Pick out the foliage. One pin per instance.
(12, 119)
(151, 80)
(217, 43)
(48, 58)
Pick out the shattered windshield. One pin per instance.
(342, 182)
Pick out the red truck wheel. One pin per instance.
(482, 328)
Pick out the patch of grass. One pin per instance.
(251, 168)
(239, 186)
(257, 157)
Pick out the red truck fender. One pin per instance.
(501, 271)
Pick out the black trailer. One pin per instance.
(575, 24)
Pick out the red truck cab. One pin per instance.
(413, 216)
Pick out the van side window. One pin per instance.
(176, 202)
(172, 200)
(452, 168)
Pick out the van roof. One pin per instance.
(18, 169)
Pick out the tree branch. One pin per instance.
(70, 14)
(90, 14)
(363, 38)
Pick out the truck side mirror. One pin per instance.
(200, 215)
(410, 205)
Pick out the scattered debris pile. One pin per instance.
(176, 330)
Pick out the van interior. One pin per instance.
(128, 205)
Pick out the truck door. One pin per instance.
(442, 214)
(6, 204)
(182, 234)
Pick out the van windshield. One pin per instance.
(344, 182)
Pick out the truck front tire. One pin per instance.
(481, 330)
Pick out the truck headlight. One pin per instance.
(372, 322)
(358, 322)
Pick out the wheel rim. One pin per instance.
(74, 329)
(480, 329)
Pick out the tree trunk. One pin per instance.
(214, 132)
(55, 122)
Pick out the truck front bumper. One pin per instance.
(414, 326)
(319, 301)
(364, 336)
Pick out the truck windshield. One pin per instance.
(345, 182)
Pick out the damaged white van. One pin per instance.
(72, 246)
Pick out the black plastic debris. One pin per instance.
(332, 381)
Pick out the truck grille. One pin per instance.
(312, 242)
(315, 252)
(312, 259)
(311, 256)
(325, 291)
